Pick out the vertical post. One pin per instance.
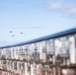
(8, 73)
(51, 71)
(54, 71)
(18, 68)
(68, 62)
(40, 51)
(32, 73)
(53, 59)
(46, 73)
(7, 65)
(72, 49)
(26, 73)
(37, 68)
(60, 71)
(63, 60)
(13, 65)
(75, 71)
